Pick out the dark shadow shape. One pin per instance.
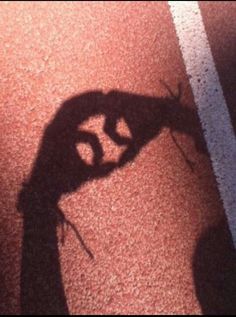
(58, 169)
(214, 269)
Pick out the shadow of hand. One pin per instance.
(59, 169)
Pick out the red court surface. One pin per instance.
(155, 224)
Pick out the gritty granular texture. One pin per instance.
(141, 221)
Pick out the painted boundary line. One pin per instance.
(210, 101)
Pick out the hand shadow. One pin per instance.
(58, 169)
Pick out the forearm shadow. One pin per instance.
(42, 291)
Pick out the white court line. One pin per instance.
(210, 101)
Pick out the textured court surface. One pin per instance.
(154, 224)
